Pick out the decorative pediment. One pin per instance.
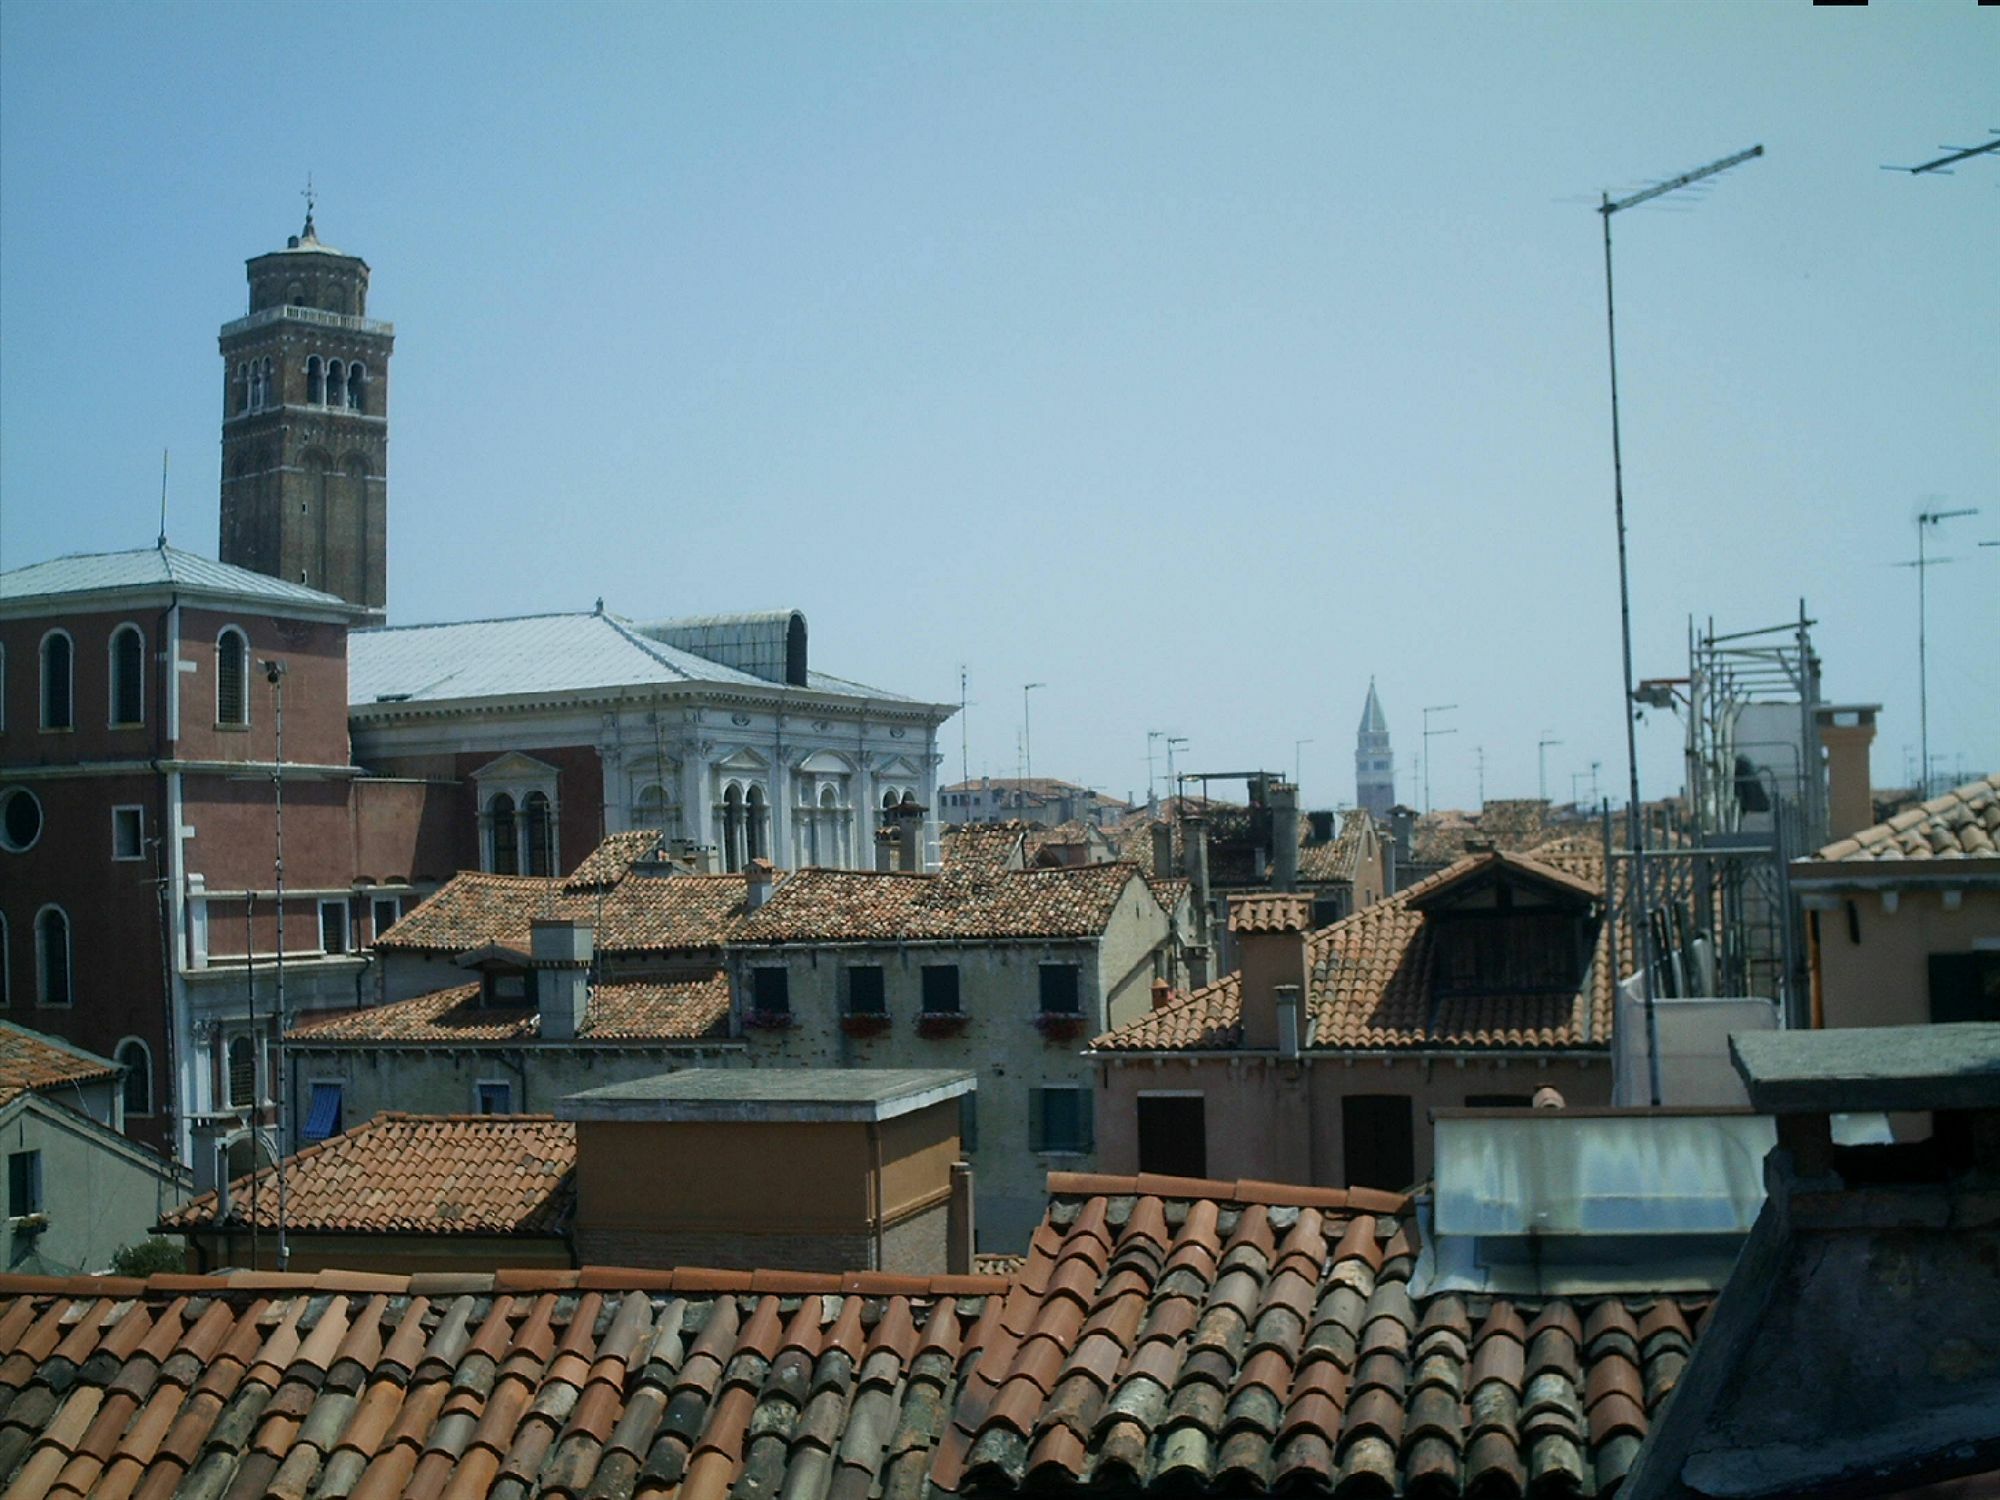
(900, 767)
(743, 759)
(515, 766)
(825, 763)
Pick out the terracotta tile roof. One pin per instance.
(1517, 824)
(636, 1010)
(1339, 857)
(1169, 890)
(31, 1061)
(1370, 987)
(1270, 911)
(1161, 1337)
(633, 913)
(984, 846)
(414, 1174)
(1962, 824)
(966, 903)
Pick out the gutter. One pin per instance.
(1329, 1055)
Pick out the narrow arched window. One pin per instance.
(538, 834)
(242, 388)
(52, 958)
(242, 1071)
(356, 377)
(753, 825)
(128, 675)
(232, 678)
(58, 681)
(315, 382)
(137, 1060)
(732, 828)
(270, 396)
(336, 380)
(506, 851)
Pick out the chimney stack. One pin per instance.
(1284, 803)
(907, 818)
(1162, 993)
(1846, 733)
(758, 876)
(1270, 934)
(885, 850)
(1402, 825)
(1163, 849)
(561, 949)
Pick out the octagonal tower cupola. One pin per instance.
(305, 424)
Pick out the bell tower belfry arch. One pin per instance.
(305, 424)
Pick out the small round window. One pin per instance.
(20, 819)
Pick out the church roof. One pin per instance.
(530, 655)
(157, 568)
(1372, 719)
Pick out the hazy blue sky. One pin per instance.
(1199, 361)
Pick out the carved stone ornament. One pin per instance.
(739, 720)
(896, 732)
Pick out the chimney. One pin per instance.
(1194, 849)
(1291, 1019)
(907, 818)
(1402, 826)
(757, 878)
(960, 1233)
(1284, 800)
(1321, 823)
(1846, 733)
(1163, 849)
(885, 850)
(1162, 993)
(561, 949)
(210, 1173)
(1270, 933)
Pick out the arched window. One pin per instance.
(336, 381)
(242, 388)
(58, 681)
(315, 382)
(269, 391)
(538, 831)
(506, 850)
(295, 295)
(232, 677)
(128, 675)
(356, 377)
(137, 1060)
(52, 954)
(755, 839)
(242, 1070)
(732, 827)
(653, 809)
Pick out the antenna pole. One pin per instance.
(1924, 563)
(1542, 763)
(1635, 828)
(163, 499)
(1435, 708)
(275, 672)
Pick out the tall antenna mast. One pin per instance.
(163, 499)
(1635, 829)
(964, 743)
(1924, 563)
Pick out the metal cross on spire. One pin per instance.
(307, 194)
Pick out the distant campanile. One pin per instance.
(1374, 764)
(305, 425)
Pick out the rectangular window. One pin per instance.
(1061, 990)
(968, 1122)
(1965, 986)
(242, 1071)
(771, 991)
(1059, 1119)
(864, 991)
(492, 1097)
(1377, 1137)
(1173, 1134)
(24, 1183)
(941, 989)
(128, 833)
(387, 911)
(323, 1114)
(333, 926)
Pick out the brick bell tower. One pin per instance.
(305, 424)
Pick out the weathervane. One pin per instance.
(308, 196)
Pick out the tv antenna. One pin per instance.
(1943, 165)
(1926, 519)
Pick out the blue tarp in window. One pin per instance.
(324, 1119)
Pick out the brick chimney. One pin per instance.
(1163, 849)
(1162, 993)
(1402, 828)
(758, 877)
(1283, 798)
(561, 949)
(1270, 930)
(1846, 732)
(907, 818)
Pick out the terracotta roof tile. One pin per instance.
(1370, 981)
(965, 901)
(31, 1061)
(1964, 823)
(1255, 1355)
(1270, 911)
(647, 1010)
(416, 1174)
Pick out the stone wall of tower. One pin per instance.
(305, 428)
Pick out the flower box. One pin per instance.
(864, 1023)
(767, 1020)
(937, 1023)
(1059, 1026)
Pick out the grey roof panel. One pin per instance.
(761, 1095)
(157, 567)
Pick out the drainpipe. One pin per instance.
(875, 1186)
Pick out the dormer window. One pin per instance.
(507, 989)
(1501, 930)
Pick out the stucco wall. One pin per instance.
(1883, 978)
(98, 1194)
(1281, 1121)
